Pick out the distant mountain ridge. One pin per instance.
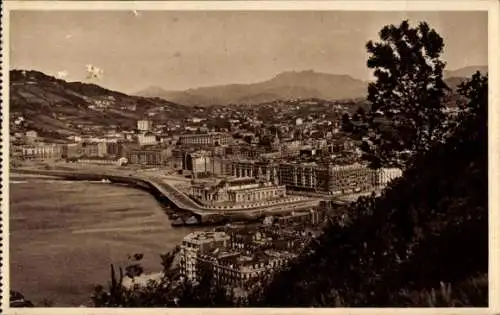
(465, 72)
(285, 86)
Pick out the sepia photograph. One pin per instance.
(295, 157)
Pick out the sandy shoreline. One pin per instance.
(20, 175)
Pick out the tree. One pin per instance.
(407, 96)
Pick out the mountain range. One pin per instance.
(285, 86)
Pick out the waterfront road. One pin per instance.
(170, 192)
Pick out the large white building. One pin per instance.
(144, 125)
(232, 191)
(147, 138)
(198, 243)
(41, 152)
(386, 175)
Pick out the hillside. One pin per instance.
(58, 108)
(284, 86)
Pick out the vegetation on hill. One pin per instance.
(57, 108)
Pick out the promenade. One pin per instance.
(174, 197)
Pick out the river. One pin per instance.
(64, 235)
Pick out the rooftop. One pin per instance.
(202, 237)
(238, 259)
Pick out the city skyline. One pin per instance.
(242, 47)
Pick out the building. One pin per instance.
(102, 149)
(206, 139)
(147, 138)
(151, 157)
(351, 178)
(178, 156)
(309, 151)
(103, 161)
(252, 168)
(72, 150)
(312, 177)
(236, 191)
(250, 152)
(90, 149)
(204, 163)
(301, 176)
(197, 243)
(241, 269)
(31, 136)
(386, 175)
(115, 149)
(144, 125)
(313, 216)
(291, 148)
(41, 152)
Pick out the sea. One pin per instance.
(65, 234)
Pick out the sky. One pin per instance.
(178, 50)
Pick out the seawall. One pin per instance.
(209, 217)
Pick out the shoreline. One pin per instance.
(209, 217)
(168, 207)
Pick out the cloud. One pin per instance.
(62, 74)
(94, 72)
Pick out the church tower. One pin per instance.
(276, 142)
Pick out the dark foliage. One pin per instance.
(428, 227)
(407, 96)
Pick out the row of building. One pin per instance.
(99, 151)
(313, 177)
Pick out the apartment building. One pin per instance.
(208, 139)
(41, 152)
(197, 243)
(149, 157)
(332, 179)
